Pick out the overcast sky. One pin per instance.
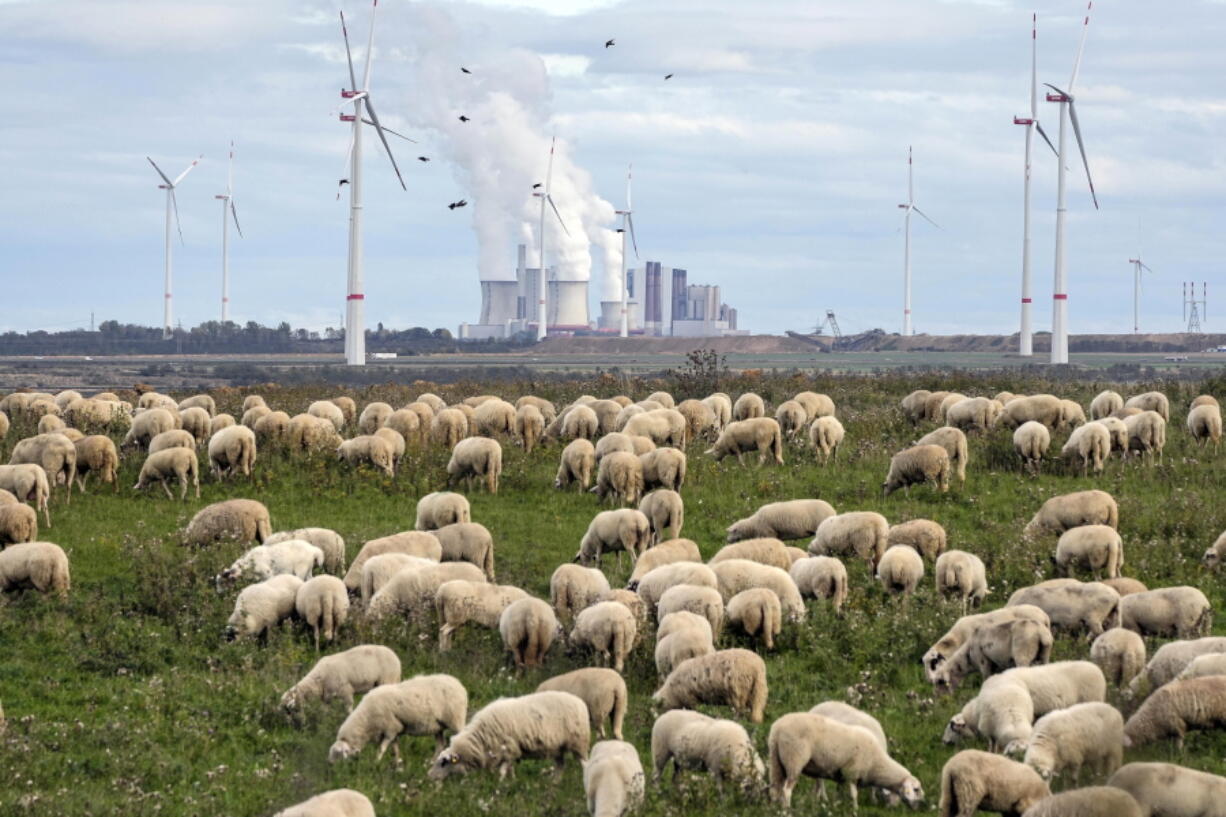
(772, 163)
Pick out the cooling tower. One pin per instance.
(498, 301)
(567, 305)
(611, 315)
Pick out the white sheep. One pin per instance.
(767, 551)
(737, 575)
(924, 535)
(528, 628)
(1065, 511)
(373, 416)
(1120, 654)
(1089, 734)
(458, 602)
(663, 468)
(742, 437)
(1146, 435)
(96, 454)
(467, 542)
(1031, 441)
(1205, 425)
(822, 577)
(1117, 432)
(721, 406)
(28, 482)
(913, 405)
(805, 743)
(1055, 686)
(175, 438)
(699, 419)
(18, 523)
(329, 541)
(341, 676)
(1089, 801)
(653, 585)
(1124, 585)
(238, 520)
(1002, 714)
(791, 417)
(232, 450)
(602, 689)
(172, 463)
(413, 589)
(608, 629)
(859, 533)
(447, 427)
(978, 781)
(335, 803)
(793, 519)
(541, 724)
(954, 442)
(994, 648)
(1073, 605)
(40, 565)
(1176, 709)
(974, 414)
(748, 406)
(1154, 401)
(573, 588)
(262, 606)
(693, 741)
(423, 706)
(323, 603)
(681, 635)
(1167, 790)
(965, 627)
(625, 529)
(294, 556)
(421, 544)
(1105, 403)
(441, 508)
(1216, 553)
(378, 570)
(815, 405)
(701, 601)
(1171, 612)
(1092, 444)
(1094, 548)
(1039, 408)
(613, 779)
(330, 411)
(758, 613)
(735, 678)
(900, 570)
(666, 552)
(476, 458)
(918, 465)
(664, 509)
(1170, 659)
(1202, 665)
(578, 460)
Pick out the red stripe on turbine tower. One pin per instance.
(1027, 300)
(355, 297)
(1060, 297)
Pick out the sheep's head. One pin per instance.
(1017, 748)
(1211, 559)
(447, 763)
(289, 701)
(738, 531)
(956, 730)
(1043, 768)
(911, 791)
(341, 750)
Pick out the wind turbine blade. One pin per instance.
(1072, 113)
(234, 213)
(230, 172)
(195, 162)
(1085, 29)
(353, 100)
(1043, 133)
(925, 215)
(379, 129)
(389, 130)
(1146, 267)
(633, 240)
(175, 204)
(549, 199)
(1034, 67)
(629, 174)
(165, 178)
(549, 172)
(370, 46)
(353, 80)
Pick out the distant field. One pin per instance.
(125, 699)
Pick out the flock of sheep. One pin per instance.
(1040, 720)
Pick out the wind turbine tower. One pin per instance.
(227, 204)
(542, 317)
(1137, 266)
(909, 207)
(172, 208)
(1068, 113)
(363, 113)
(627, 227)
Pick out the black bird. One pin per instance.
(463, 118)
(609, 43)
(538, 184)
(465, 70)
(423, 158)
(668, 76)
(455, 204)
(339, 185)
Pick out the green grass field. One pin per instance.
(125, 699)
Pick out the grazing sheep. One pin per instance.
(721, 406)
(495, 418)
(1091, 443)
(171, 463)
(791, 417)
(765, 551)
(974, 414)
(539, 725)
(979, 781)
(1001, 713)
(663, 468)
(917, 465)
(18, 523)
(748, 406)
(476, 457)
(1177, 708)
(1171, 659)
(378, 570)
(308, 434)
(373, 416)
(860, 533)
(329, 541)
(1205, 425)
(197, 422)
(1094, 548)
(1039, 408)
(815, 405)
(805, 743)
(737, 575)
(467, 542)
(273, 428)
(335, 803)
(1089, 734)
(693, 741)
(40, 565)
(666, 552)
(238, 520)
(1168, 612)
(1146, 435)
(426, 413)
(962, 574)
(441, 508)
(51, 423)
(422, 544)
(147, 425)
(330, 411)
(705, 602)
(175, 438)
(1060, 513)
(900, 570)
(954, 443)
(735, 678)
(913, 405)
(341, 676)
(1054, 686)
(849, 715)
(1090, 801)
(395, 441)
(664, 509)
(620, 476)
(253, 415)
(323, 603)
(458, 602)
(757, 612)
(448, 427)
(573, 588)
(1072, 415)
(608, 629)
(1124, 585)
(1031, 441)
(262, 606)
(423, 706)
(653, 584)
(821, 577)
(625, 529)
(1118, 433)
(631, 601)
(681, 635)
(613, 779)
(577, 423)
(1217, 551)
(261, 562)
(413, 588)
(1154, 401)
(826, 435)
(529, 426)
(994, 648)
(232, 451)
(97, 454)
(407, 424)
(528, 628)
(947, 402)
(699, 418)
(1120, 654)
(54, 452)
(602, 689)
(794, 519)
(964, 628)
(761, 434)
(619, 441)
(1203, 400)
(28, 483)
(1073, 605)
(1203, 665)
(1104, 404)
(1167, 790)
(924, 535)
(578, 459)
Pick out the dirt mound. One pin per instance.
(742, 345)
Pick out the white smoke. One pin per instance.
(503, 150)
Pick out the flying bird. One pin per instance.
(423, 158)
(668, 76)
(538, 184)
(339, 185)
(455, 204)
(465, 70)
(463, 118)
(609, 43)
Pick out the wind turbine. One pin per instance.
(1068, 112)
(541, 316)
(227, 204)
(1137, 266)
(906, 258)
(355, 317)
(171, 206)
(1025, 346)
(627, 227)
